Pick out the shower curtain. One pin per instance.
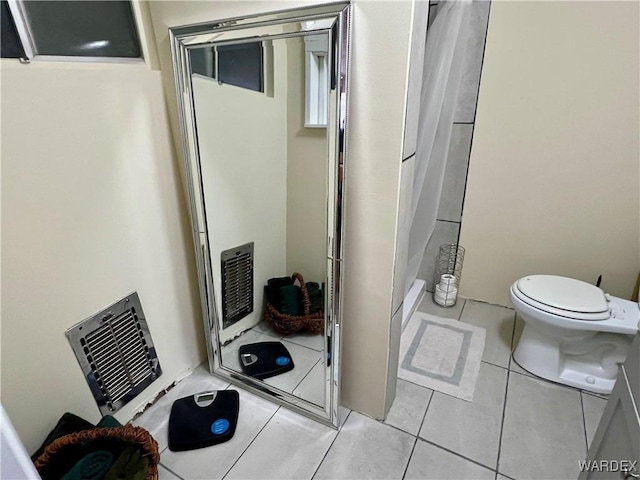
(444, 55)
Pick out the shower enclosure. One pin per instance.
(441, 78)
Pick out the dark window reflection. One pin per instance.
(10, 44)
(238, 65)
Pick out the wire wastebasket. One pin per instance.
(447, 274)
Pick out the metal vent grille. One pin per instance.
(116, 353)
(237, 283)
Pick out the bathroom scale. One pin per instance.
(265, 359)
(203, 419)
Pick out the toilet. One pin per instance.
(574, 333)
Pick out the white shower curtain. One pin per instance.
(444, 55)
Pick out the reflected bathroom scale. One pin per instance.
(265, 359)
(203, 419)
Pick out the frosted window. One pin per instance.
(239, 65)
(10, 43)
(85, 29)
(203, 61)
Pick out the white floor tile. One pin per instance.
(200, 380)
(409, 407)
(164, 474)
(366, 449)
(309, 340)
(156, 419)
(304, 360)
(514, 367)
(427, 305)
(431, 462)
(313, 387)
(499, 322)
(215, 461)
(593, 410)
(599, 395)
(290, 447)
(471, 429)
(264, 328)
(543, 433)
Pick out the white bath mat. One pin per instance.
(441, 354)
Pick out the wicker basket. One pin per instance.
(128, 433)
(288, 324)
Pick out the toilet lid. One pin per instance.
(564, 293)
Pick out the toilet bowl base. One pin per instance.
(546, 356)
(590, 383)
(575, 379)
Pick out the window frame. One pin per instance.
(28, 44)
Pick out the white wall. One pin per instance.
(92, 209)
(243, 153)
(380, 37)
(553, 178)
(306, 177)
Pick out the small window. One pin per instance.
(239, 65)
(203, 61)
(10, 45)
(74, 28)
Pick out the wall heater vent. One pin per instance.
(116, 353)
(237, 283)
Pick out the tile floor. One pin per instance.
(518, 426)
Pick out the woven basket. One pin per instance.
(288, 324)
(128, 433)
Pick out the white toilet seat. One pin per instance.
(564, 293)
(563, 296)
(569, 314)
(625, 324)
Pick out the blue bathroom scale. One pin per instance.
(203, 419)
(265, 359)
